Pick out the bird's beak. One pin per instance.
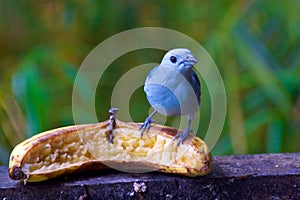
(191, 60)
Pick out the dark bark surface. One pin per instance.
(263, 176)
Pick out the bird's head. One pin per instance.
(180, 59)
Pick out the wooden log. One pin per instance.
(262, 176)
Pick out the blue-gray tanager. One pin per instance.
(173, 89)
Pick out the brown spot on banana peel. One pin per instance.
(29, 151)
(16, 173)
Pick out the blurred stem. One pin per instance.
(222, 34)
(274, 137)
(235, 111)
(15, 126)
(261, 71)
(218, 44)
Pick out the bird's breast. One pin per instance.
(170, 93)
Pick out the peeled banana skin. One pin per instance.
(87, 147)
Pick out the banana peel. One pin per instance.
(86, 147)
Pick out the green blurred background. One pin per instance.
(255, 44)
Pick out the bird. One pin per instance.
(173, 89)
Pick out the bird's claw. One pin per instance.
(182, 136)
(145, 125)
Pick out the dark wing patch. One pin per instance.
(196, 85)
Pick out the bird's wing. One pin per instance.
(196, 85)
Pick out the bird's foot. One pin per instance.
(182, 136)
(145, 126)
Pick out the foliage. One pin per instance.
(255, 44)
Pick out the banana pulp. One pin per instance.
(85, 147)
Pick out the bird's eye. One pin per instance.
(173, 59)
